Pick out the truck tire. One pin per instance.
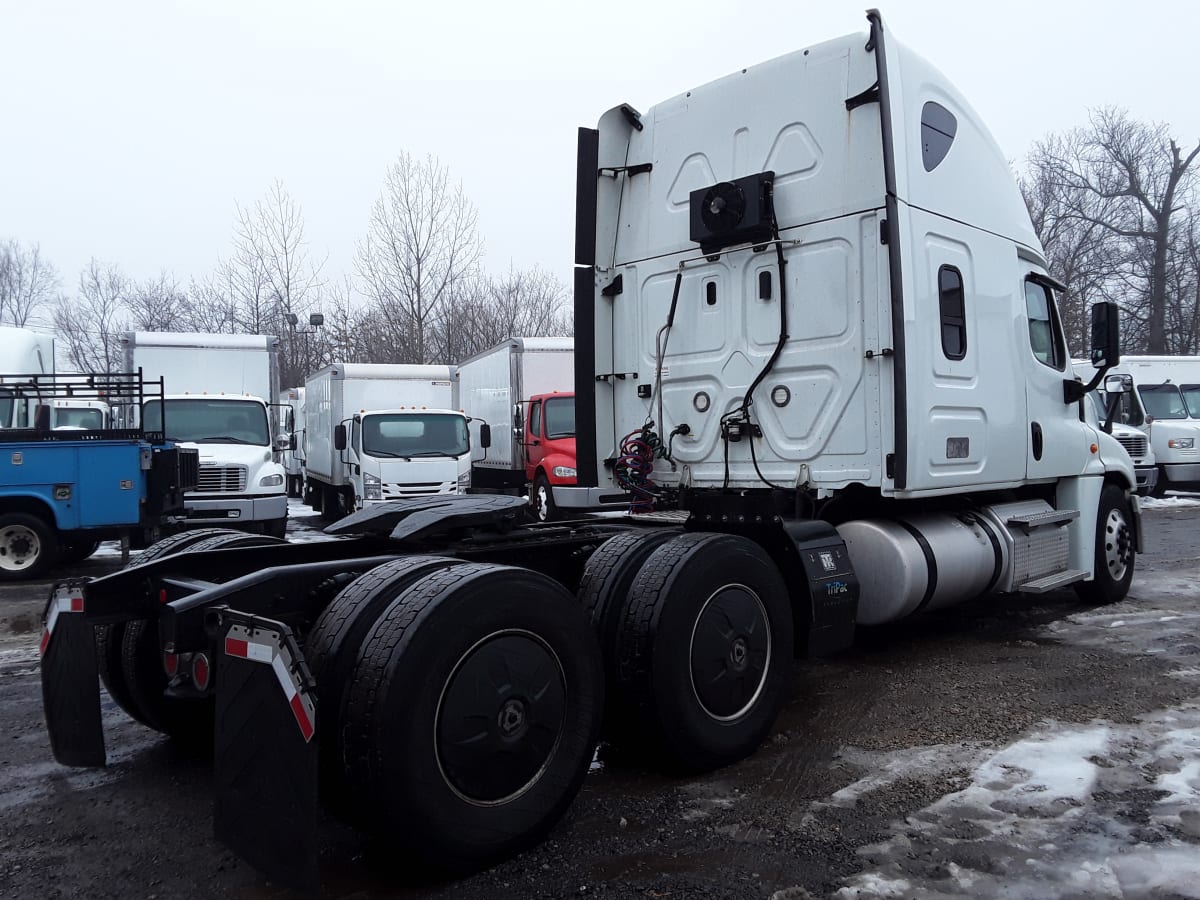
(189, 722)
(332, 650)
(28, 546)
(704, 651)
(1115, 552)
(110, 637)
(603, 592)
(77, 551)
(541, 498)
(473, 714)
(1160, 486)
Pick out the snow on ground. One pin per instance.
(1171, 501)
(1097, 810)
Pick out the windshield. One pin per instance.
(414, 434)
(560, 417)
(1191, 397)
(78, 418)
(6, 409)
(210, 421)
(1162, 401)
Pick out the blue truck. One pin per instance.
(63, 489)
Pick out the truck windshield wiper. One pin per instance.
(387, 454)
(430, 453)
(221, 439)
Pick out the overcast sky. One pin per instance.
(131, 129)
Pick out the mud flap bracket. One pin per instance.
(265, 758)
(70, 680)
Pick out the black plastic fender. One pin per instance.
(265, 758)
(832, 585)
(70, 679)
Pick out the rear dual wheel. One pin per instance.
(130, 659)
(473, 714)
(697, 634)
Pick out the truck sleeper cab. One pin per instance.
(801, 295)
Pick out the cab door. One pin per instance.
(1056, 442)
(535, 450)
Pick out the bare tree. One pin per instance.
(91, 323)
(530, 303)
(421, 246)
(158, 304)
(1130, 178)
(27, 283)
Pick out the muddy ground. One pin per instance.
(1025, 746)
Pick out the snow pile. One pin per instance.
(1100, 810)
(1173, 501)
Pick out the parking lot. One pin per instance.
(1017, 746)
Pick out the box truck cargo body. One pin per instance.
(22, 352)
(220, 389)
(376, 432)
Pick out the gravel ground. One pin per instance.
(1007, 747)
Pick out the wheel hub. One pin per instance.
(1117, 544)
(18, 548)
(730, 652)
(500, 717)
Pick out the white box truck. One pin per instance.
(1164, 404)
(292, 422)
(523, 389)
(376, 432)
(22, 352)
(220, 390)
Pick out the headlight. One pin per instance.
(372, 487)
(464, 480)
(270, 481)
(1181, 443)
(564, 472)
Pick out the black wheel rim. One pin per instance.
(730, 652)
(500, 717)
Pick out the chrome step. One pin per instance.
(1028, 522)
(1053, 582)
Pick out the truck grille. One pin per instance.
(417, 489)
(1134, 446)
(221, 480)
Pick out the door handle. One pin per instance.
(1036, 434)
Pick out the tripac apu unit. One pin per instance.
(732, 212)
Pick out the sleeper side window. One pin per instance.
(1045, 332)
(952, 306)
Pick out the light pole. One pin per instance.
(316, 320)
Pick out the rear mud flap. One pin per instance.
(70, 680)
(265, 758)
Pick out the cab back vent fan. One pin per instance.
(732, 212)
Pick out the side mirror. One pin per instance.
(1118, 384)
(485, 435)
(1106, 335)
(339, 437)
(283, 442)
(41, 417)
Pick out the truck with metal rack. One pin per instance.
(377, 432)
(65, 489)
(801, 295)
(222, 392)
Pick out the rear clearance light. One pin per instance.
(171, 664)
(201, 671)
(162, 596)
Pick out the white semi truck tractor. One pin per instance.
(815, 328)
